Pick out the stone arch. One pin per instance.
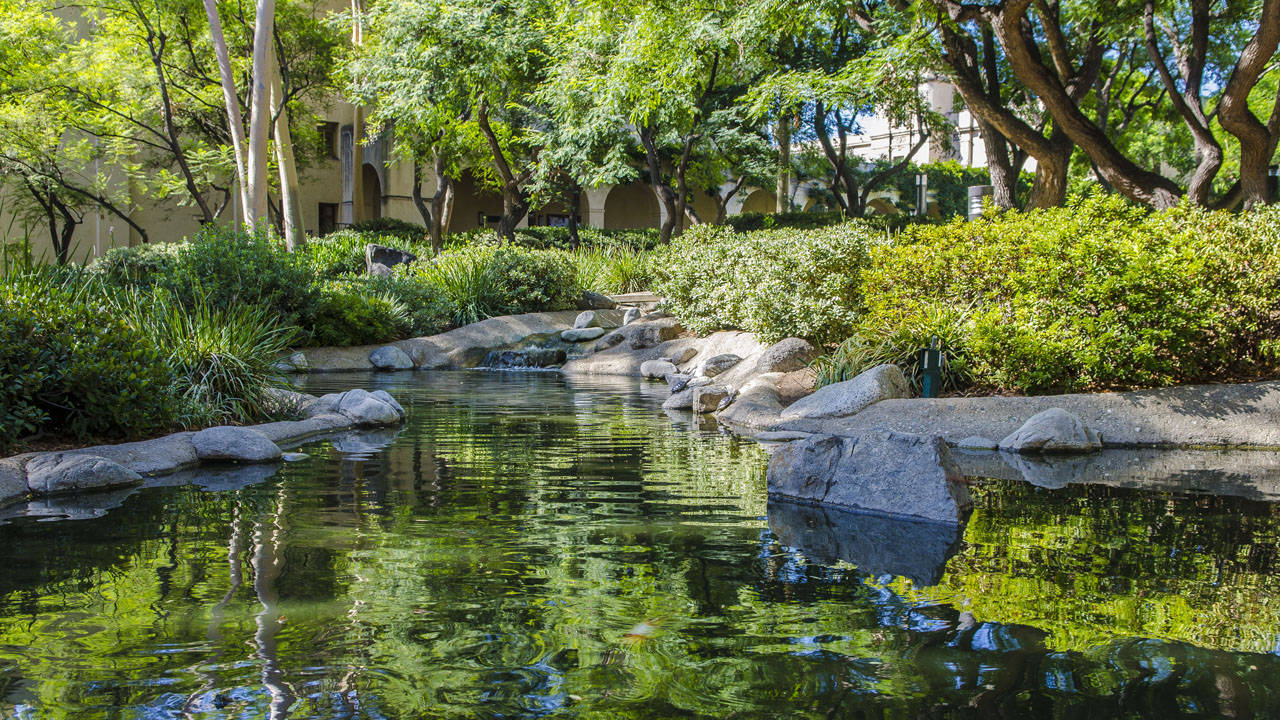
(371, 192)
(760, 201)
(631, 206)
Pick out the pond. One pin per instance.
(531, 546)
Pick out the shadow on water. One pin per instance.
(529, 546)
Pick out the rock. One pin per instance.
(631, 315)
(380, 259)
(786, 356)
(53, 473)
(390, 357)
(677, 381)
(581, 334)
(713, 366)
(706, 399)
(683, 355)
(595, 301)
(586, 319)
(297, 362)
(974, 442)
(757, 404)
(883, 472)
(611, 340)
(234, 444)
(13, 479)
(851, 397)
(656, 369)
(294, 457)
(365, 408)
(651, 334)
(287, 402)
(530, 358)
(1052, 431)
(780, 436)
(727, 400)
(682, 400)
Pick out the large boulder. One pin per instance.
(649, 334)
(1052, 431)
(718, 364)
(53, 473)
(682, 355)
(390, 357)
(13, 479)
(380, 259)
(786, 356)
(883, 382)
(234, 444)
(631, 315)
(582, 334)
(586, 319)
(682, 400)
(657, 369)
(882, 471)
(369, 409)
(707, 398)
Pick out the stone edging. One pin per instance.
(42, 474)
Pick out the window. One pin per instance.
(328, 132)
(328, 221)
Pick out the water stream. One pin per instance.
(531, 546)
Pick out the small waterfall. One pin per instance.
(527, 359)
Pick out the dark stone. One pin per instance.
(385, 257)
(515, 359)
(876, 544)
(595, 301)
(884, 472)
(611, 340)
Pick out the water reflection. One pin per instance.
(532, 547)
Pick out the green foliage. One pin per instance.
(749, 222)
(1097, 295)
(226, 268)
(68, 364)
(138, 266)
(613, 270)
(221, 358)
(483, 281)
(347, 313)
(406, 231)
(342, 253)
(899, 341)
(774, 283)
(557, 238)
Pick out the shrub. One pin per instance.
(484, 281)
(774, 283)
(386, 227)
(348, 313)
(137, 266)
(342, 253)
(750, 222)
(221, 359)
(1097, 295)
(226, 268)
(557, 238)
(613, 269)
(427, 312)
(68, 363)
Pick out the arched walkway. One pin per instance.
(371, 202)
(760, 201)
(631, 206)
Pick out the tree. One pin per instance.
(461, 73)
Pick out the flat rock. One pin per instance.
(647, 334)
(370, 409)
(680, 356)
(586, 319)
(883, 472)
(714, 366)
(53, 473)
(631, 315)
(786, 356)
(707, 398)
(613, 339)
(850, 397)
(779, 436)
(584, 334)
(234, 444)
(1052, 431)
(682, 400)
(656, 369)
(390, 357)
(977, 442)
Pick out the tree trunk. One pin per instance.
(290, 195)
(1257, 141)
(514, 203)
(260, 113)
(235, 122)
(783, 191)
(648, 140)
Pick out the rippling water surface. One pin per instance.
(533, 546)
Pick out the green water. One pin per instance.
(529, 546)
